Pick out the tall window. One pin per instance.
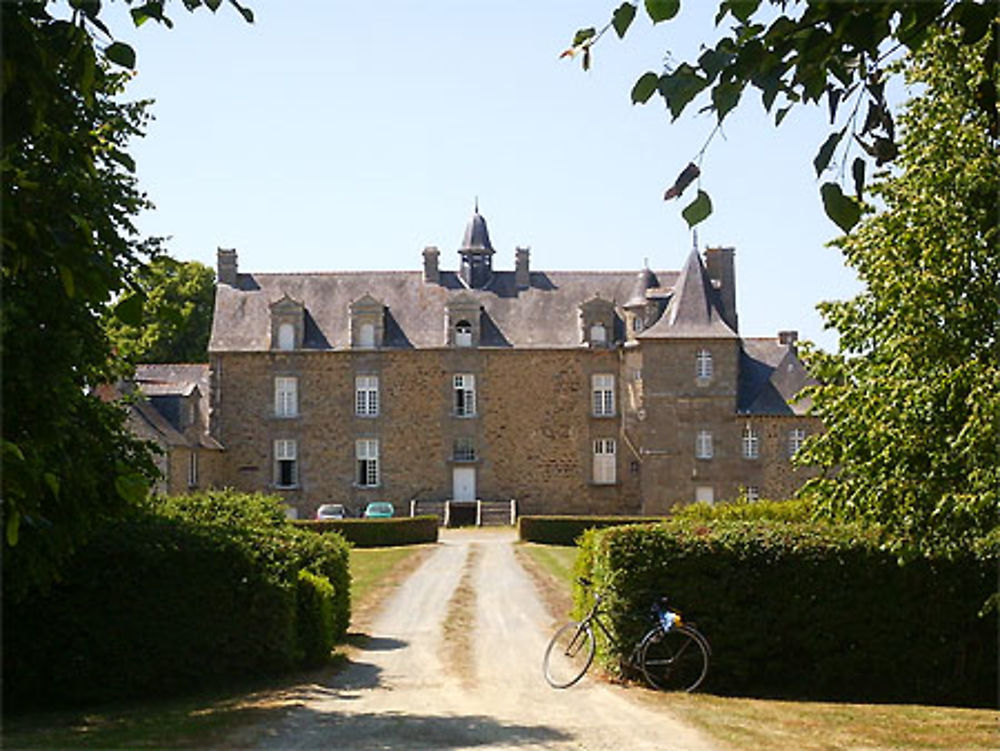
(286, 336)
(286, 396)
(751, 443)
(366, 337)
(286, 470)
(604, 461)
(703, 365)
(463, 334)
(465, 395)
(751, 493)
(463, 450)
(602, 389)
(703, 448)
(366, 395)
(366, 453)
(796, 436)
(193, 469)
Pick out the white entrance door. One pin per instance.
(463, 485)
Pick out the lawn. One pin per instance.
(740, 723)
(205, 721)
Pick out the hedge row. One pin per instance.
(164, 601)
(378, 533)
(801, 610)
(565, 530)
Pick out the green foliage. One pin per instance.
(912, 404)
(566, 530)
(378, 533)
(801, 610)
(747, 511)
(315, 621)
(174, 321)
(840, 54)
(68, 245)
(182, 594)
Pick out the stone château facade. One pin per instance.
(571, 392)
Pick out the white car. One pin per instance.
(331, 511)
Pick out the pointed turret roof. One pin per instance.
(644, 281)
(477, 237)
(694, 310)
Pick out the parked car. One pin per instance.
(379, 510)
(331, 511)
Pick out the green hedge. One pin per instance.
(378, 533)
(808, 611)
(163, 602)
(565, 530)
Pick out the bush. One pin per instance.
(808, 610)
(744, 510)
(566, 530)
(378, 533)
(315, 618)
(185, 594)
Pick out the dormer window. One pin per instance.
(597, 319)
(463, 313)
(287, 324)
(367, 323)
(463, 334)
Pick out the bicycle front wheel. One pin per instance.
(674, 660)
(569, 654)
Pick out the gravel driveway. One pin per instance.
(454, 661)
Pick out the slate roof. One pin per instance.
(546, 315)
(694, 310)
(771, 377)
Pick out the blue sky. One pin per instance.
(346, 136)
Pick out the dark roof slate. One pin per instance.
(694, 310)
(545, 315)
(771, 378)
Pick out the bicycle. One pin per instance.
(672, 655)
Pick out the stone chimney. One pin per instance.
(431, 272)
(720, 267)
(226, 267)
(788, 338)
(522, 276)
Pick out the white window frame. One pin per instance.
(703, 445)
(368, 470)
(464, 395)
(602, 395)
(193, 469)
(598, 334)
(366, 396)
(463, 449)
(751, 443)
(286, 396)
(703, 366)
(286, 336)
(463, 334)
(605, 464)
(796, 437)
(286, 450)
(366, 336)
(751, 493)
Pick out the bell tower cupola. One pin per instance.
(476, 253)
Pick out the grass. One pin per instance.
(740, 723)
(206, 721)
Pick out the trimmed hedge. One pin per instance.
(809, 611)
(566, 530)
(378, 533)
(162, 602)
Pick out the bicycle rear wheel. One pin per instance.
(569, 654)
(674, 660)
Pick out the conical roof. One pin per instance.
(694, 310)
(477, 237)
(643, 281)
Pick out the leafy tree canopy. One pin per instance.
(912, 403)
(176, 318)
(807, 51)
(69, 248)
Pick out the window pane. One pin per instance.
(286, 336)
(703, 364)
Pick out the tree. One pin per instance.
(69, 250)
(912, 404)
(176, 314)
(807, 52)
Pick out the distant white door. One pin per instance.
(463, 486)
